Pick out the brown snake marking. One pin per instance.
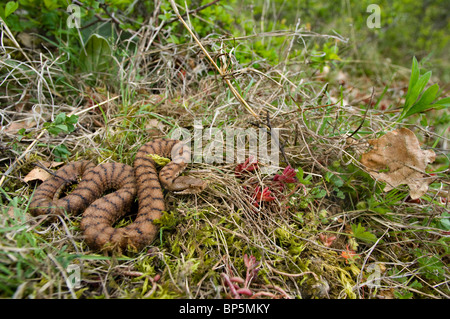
(100, 213)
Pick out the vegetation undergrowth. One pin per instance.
(318, 226)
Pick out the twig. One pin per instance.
(274, 137)
(221, 72)
(280, 146)
(104, 6)
(365, 114)
(94, 106)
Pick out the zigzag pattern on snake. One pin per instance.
(100, 213)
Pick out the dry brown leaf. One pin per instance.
(396, 158)
(40, 173)
(11, 212)
(386, 294)
(37, 173)
(154, 127)
(16, 126)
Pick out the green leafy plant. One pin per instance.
(444, 222)
(61, 152)
(9, 8)
(417, 100)
(97, 55)
(405, 293)
(301, 177)
(431, 266)
(61, 124)
(318, 192)
(360, 233)
(337, 182)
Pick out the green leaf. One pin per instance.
(166, 16)
(62, 127)
(61, 152)
(60, 118)
(417, 89)
(423, 120)
(381, 210)
(417, 84)
(338, 182)
(301, 178)
(61, 123)
(10, 7)
(431, 266)
(318, 193)
(97, 56)
(340, 194)
(445, 221)
(403, 294)
(429, 95)
(441, 104)
(73, 119)
(53, 130)
(414, 76)
(425, 100)
(51, 4)
(360, 233)
(174, 39)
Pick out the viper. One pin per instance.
(101, 212)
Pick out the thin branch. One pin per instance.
(221, 72)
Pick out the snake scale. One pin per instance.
(101, 212)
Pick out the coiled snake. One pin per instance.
(100, 213)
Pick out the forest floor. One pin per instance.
(312, 222)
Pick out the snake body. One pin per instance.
(101, 212)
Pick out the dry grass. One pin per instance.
(204, 238)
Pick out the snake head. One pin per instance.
(187, 185)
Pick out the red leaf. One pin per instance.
(288, 176)
(249, 165)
